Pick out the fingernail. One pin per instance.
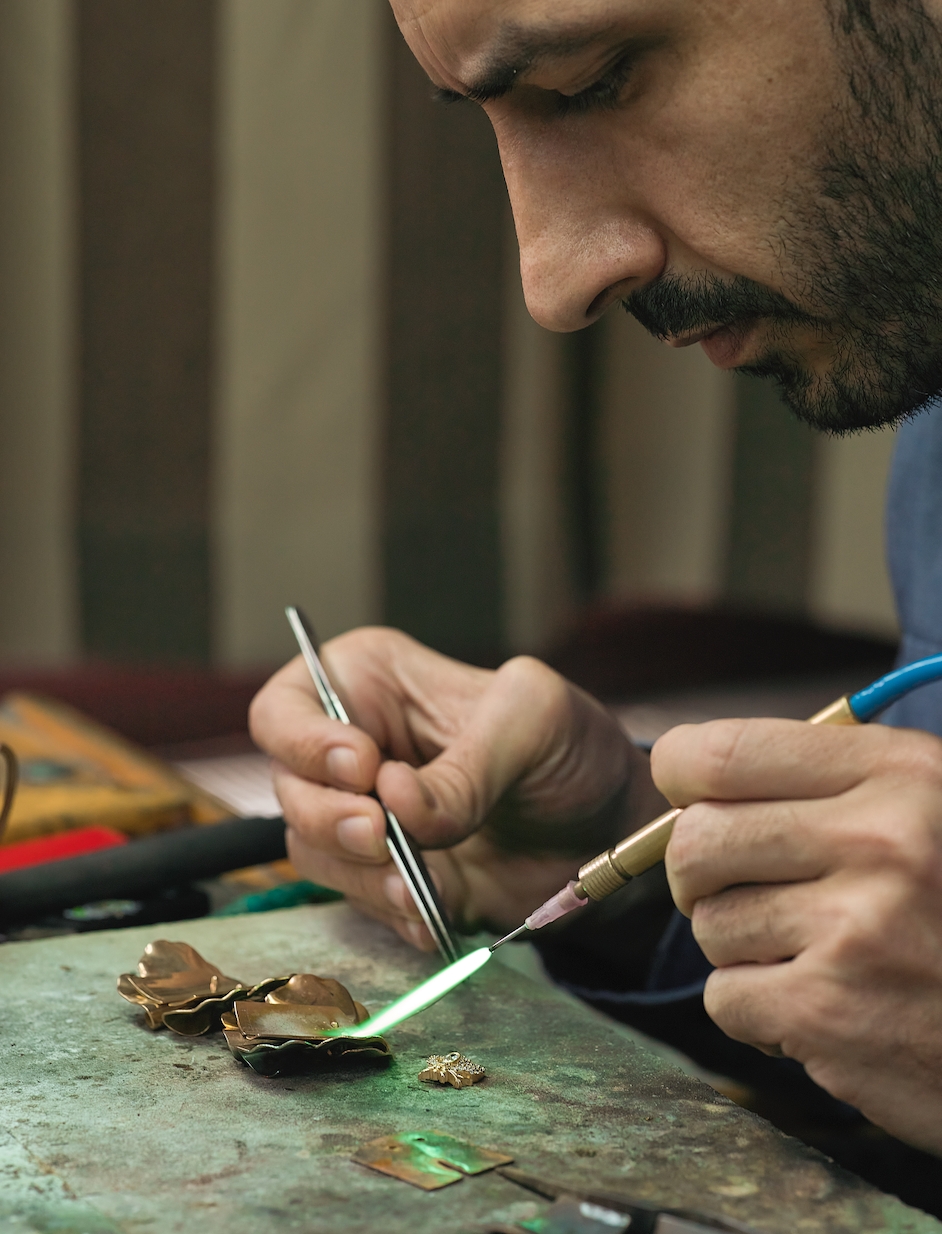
(396, 892)
(417, 933)
(343, 765)
(356, 835)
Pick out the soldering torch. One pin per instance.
(643, 849)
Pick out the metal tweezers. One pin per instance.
(408, 860)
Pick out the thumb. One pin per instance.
(520, 719)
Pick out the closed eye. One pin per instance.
(604, 93)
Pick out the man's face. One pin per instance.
(763, 177)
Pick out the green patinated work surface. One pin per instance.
(107, 1127)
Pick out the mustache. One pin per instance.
(674, 306)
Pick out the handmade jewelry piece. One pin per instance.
(453, 1069)
(181, 991)
(282, 1024)
(296, 1027)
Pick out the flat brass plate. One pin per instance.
(287, 1020)
(427, 1159)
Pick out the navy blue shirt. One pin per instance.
(914, 551)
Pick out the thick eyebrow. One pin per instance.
(517, 52)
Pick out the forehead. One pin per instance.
(455, 39)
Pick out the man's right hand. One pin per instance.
(513, 778)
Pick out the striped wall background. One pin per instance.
(262, 340)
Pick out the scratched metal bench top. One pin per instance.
(107, 1127)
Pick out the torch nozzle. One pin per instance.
(557, 906)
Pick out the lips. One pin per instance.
(726, 347)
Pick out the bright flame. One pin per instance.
(422, 996)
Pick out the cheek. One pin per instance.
(718, 189)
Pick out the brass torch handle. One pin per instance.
(643, 849)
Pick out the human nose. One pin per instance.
(583, 243)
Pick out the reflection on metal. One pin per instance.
(286, 1045)
(299, 1027)
(428, 1159)
(181, 991)
(8, 780)
(306, 989)
(838, 712)
(282, 1024)
(629, 858)
(452, 1069)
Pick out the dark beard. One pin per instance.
(865, 239)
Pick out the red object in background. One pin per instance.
(57, 847)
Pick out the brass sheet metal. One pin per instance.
(389, 1155)
(180, 990)
(263, 1020)
(428, 1159)
(296, 1028)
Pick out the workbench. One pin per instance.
(108, 1127)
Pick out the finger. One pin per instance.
(413, 932)
(379, 884)
(287, 720)
(746, 1002)
(526, 722)
(715, 845)
(770, 1006)
(336, 823)
(737, 760)
(757, 925)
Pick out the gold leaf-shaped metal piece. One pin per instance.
(309, 990)
(296, 1027)
(205, 1016)
(453, 1069)
(179, 990)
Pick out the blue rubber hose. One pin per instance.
(873, 699)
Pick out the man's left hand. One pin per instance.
(810, 861)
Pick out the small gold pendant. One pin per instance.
(452, 1069)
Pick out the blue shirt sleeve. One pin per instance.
(914, 555)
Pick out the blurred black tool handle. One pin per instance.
(141, 868)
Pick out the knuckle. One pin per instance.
(705, 753)
(918, 756)
(683, 849)
(901, 838)
(533, 680)
(687, 851)
(815, 1020)
(721, 743)
(724, 1004)
(870, 926)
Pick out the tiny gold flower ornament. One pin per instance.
(453, 1069)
